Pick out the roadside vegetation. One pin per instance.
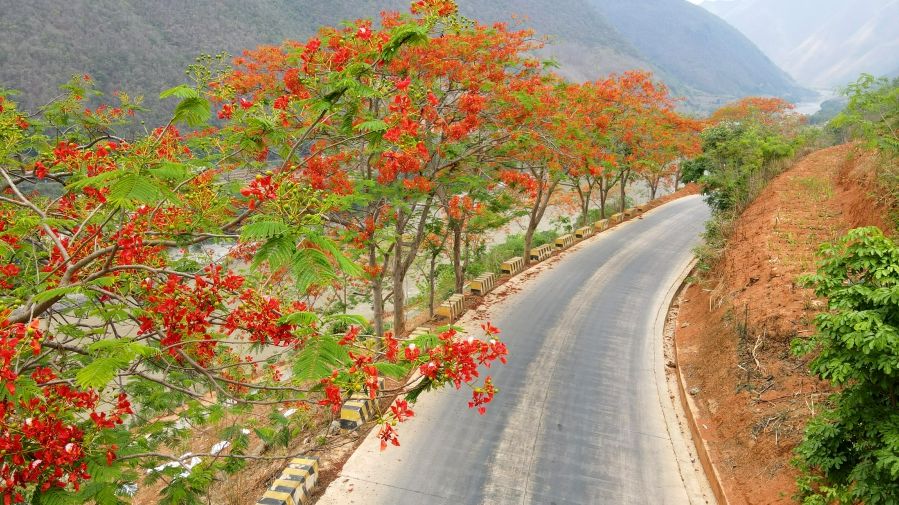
(850, 452)
(745, 146)
(872, 117)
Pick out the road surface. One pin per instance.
(580, 417)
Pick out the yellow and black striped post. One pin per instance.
(295, 485)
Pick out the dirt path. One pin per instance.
(734, 331)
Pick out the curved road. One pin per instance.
(579, 418)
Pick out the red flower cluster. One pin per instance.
(387, 433)
(325, 173)
(40, 171)
(461, 207)
(261, 189)
(9, 271)
(258, 316)
(456, 360)
(482, 395)
(364, 32)
(183, 310)
(227, 111)
(332, 397)
(400, 412)
(130, 239)
(392, 347)
(396, 162)
(41, 443)
(519, 180)
(418, 183)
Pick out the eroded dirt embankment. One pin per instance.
(734, 329)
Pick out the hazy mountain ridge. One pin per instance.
(129, 46)
(821, 43)
(697, 49)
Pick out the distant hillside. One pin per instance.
(582, 40)
(821, 43)
(132, 46)
(697, 49)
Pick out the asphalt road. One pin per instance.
(579, 419)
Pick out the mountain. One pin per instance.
(821, 43)
(696, 49)
(131, 46)
(580, 38)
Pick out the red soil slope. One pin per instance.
(734, 329)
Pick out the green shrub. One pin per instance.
(850, 453)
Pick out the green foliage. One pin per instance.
(193, 109)
(736, 162)
(873, 117)
(318, 358)
(830, 109)
(693, 170)
(873, 113)
(132, 187)
(850, 453)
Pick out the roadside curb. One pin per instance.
(295, 484)
(689, 407)
(694, 477)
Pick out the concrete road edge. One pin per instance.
(702, 485)
(685, 409)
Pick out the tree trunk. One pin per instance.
(605, 187)
(399, 292)
(623, 192)
(603, 196)
(585, 208)
(377, 290)
(654, 188)
(457, 258)
(544, 193)
(431, 282)
(403, 260)
(528, 240)
(584, 197)
(466, 253)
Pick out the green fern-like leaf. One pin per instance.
(100, 371)
(110, 356)
(261, 230)
(347, 319)
(135, 188)
(277, 251)
(311, 266)
(50, 294)
(176, 172)
(318, 358)
(402, 35)
(100, 180)
(346, 265)
(426, 341)
(300, 318)
(392, 370)
(56, 496)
